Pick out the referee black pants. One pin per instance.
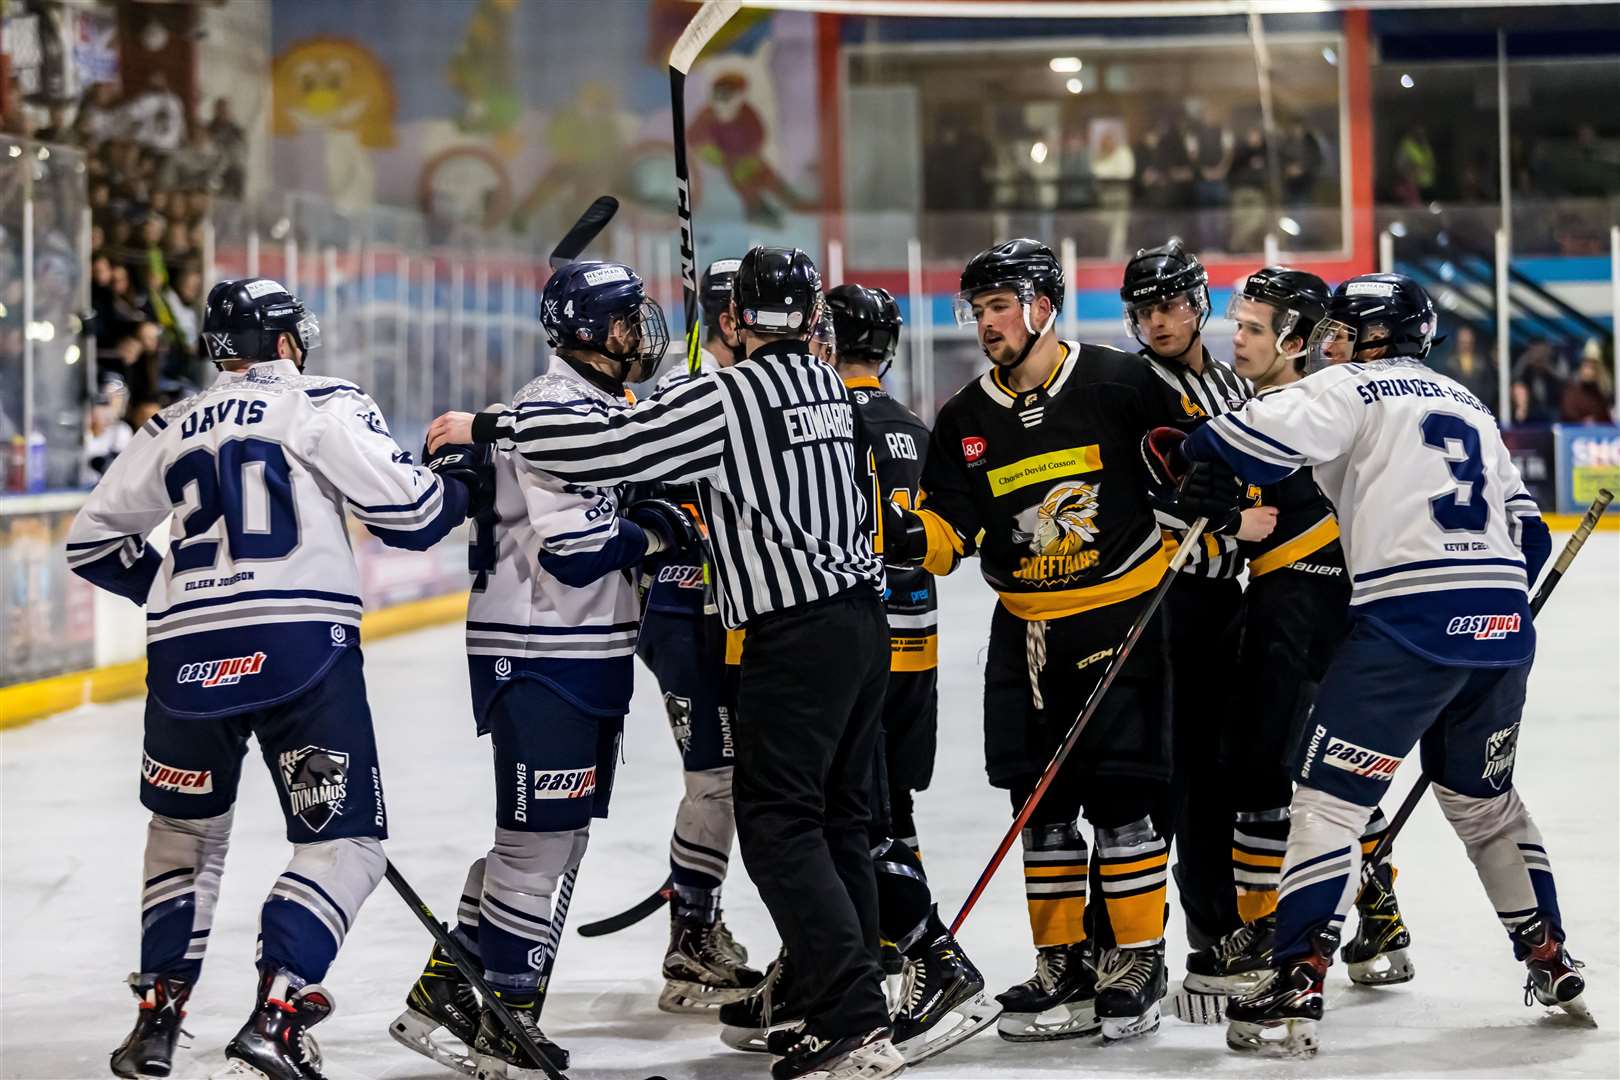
(809, 715)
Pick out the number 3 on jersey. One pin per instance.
(249, 485)
(1463, 509)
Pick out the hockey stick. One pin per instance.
(587, 228)
(469, 968)
(629, 917)
(1188, 543)
(1572, 548)
(559, 919)
(708, 20)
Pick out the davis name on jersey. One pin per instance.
(258, 594)
(1441, 538)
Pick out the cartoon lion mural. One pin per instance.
(324, 84)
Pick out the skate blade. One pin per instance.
(1117, 1029)
(1198, 1007)
(872, 1062)
(237, 1070)
(1069, 1021)
(411, 1029)
(689, 998)
(970, 1017)
(1386, 969)
(493, 1068)
(1297, 1038)
(748, 1039)
(1572, 1012)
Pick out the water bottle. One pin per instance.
(36, 462)
(17, 465)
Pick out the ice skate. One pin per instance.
(1233, 966)
(1554, 977)
(148, 1050)
(1377, 955)
(1057, 1002)
(1130, 984)
(730, 946)
(943, 1000)
(700, 972)
(275, 1043)
(498, 1056)
(440, 999)
(746, 1024)
(1288, 998)
(857, 1057)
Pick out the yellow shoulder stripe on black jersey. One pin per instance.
(1060, 603)
(1313, 539)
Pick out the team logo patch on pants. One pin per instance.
(1500, 750)
(680, 719)
(1360, 760)
(317, 782)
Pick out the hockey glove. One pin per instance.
(1188, 489)
(473, 466)
(905, 537)
(667, 525)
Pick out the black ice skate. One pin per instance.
(700, 972)
(730, 946)
(1554, 977)
(499, 1056)
(1057, 1002)
(942, 999)
(275, 1043)
(746, 1024)
(1289, 998)
(857, 1057)
(148, 1050)
(441, 997)
(1130, 983)
(1231, 967)
(1377, 955)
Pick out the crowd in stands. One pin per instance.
(1547, 385)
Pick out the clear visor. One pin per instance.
(1023, 293)
(1332, 342)
(1180, 306)
(309, 333)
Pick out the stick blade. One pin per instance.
(586, 229)
(710, 18)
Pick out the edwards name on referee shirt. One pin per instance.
(774, 439)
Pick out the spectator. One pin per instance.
(1114, 167)
(1589, 395)
(1209, 146)
(1301, 158)
(57, 129)
(182, 299)
(100, 118)
(230, 141)
(1077, 188)
(1249, 178)
(1415, 167)
(197, 166)
(1465, 360)
(157, 117)
(1537, 372)
(105, 432)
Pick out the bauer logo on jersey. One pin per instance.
(1500, 750)
(317, 782)
(221, 672)
(1360, 760)
(169, 778)
(1483, 627)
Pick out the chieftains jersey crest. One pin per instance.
(1060, 528)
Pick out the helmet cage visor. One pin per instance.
(644, 325)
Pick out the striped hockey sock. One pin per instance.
(1259, 838)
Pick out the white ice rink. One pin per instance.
(72, 833)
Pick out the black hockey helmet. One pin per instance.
(777, 291)
(1027, 267)
(1162, 273)
(866, 323)
(245, 318)
(714, 290)
(1374, 311)
(1298, 300)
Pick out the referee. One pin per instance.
(773, 439)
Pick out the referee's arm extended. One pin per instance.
(676, 435)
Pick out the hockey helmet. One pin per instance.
(866, 323)
(777, 291)
(1159, 274)
(714, 290)
(1390, 312)
(1027, 267)
(1298, 301)
(243, 320)
(584, 302)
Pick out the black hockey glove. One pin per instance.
(666, 524)
(1189, 489)
(905, 539)
(473, 466)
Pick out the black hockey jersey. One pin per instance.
(898, 441)
(1048, 485)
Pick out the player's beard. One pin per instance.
(1003, 352)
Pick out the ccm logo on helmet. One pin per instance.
(1483, 627)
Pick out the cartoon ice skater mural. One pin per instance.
(730, 134)
(482, 72)
(337, 90)
(585, 141)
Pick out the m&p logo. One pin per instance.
(973, 448)
(1483, 627)
(221, 672)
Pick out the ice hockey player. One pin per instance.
(253, 628)
(1442, 541)
(1294, 613)
(1041, 454)
(551, 632)
(685, 646)
(1166, 300)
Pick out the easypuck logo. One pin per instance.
(1360, 760)
(221, 672)
(973, 448)
(169, 778)
(1483, 627)
(562, 783)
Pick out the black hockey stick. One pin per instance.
(1572, 548)
(469, 967)
(1061, 754)
(709, 19)
(559, 919)
(626, 919)
(587, 228)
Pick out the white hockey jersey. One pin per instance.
(1441, 538)
(258, 593)
(557, 605)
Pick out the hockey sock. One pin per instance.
(1507, 851)
(1259, 838)
(1134, 863)
(902, 822)
(314, 901)
(1373, 835)
(1055, 883)
(1320, 873)
(521, 875)
(184, 859)
(467, 910)
(700, 848)
(904, 900)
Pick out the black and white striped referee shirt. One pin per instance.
(773, 439)
(1195, 397)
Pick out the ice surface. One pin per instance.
(72, 830)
